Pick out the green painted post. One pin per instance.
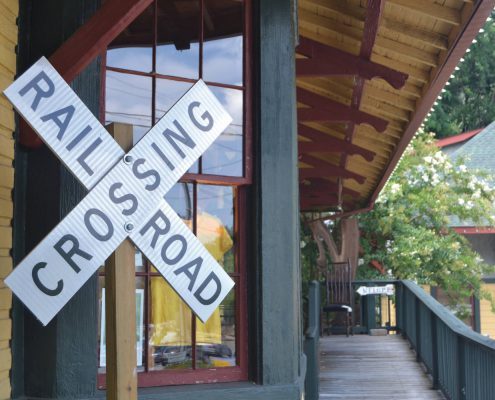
(461, 368)
(434, 349)
(311, 343)
(418, 328)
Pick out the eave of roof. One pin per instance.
(404, 110)
(461, 137)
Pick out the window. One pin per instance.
(148, 68)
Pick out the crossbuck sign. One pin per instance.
(126, 197)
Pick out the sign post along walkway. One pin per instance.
(125, 199)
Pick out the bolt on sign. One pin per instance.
(125, 199)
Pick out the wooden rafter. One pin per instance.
(356, 35)
(322, 185)
(372, 20)
(324, 109)
(89, 41)
(357, 16)
(95, 35)
(322, 168)
(325, 60)
(321, 142)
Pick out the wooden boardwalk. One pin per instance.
(371, 367)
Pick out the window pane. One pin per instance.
(215, 222)
(180, 198)
(225, 155)
(177, 51)
(102, 356)
(128, 100)
(167, 94)
(140, 323)
(170, 328)
(140, 319)
(223, 46)
(132, 49)
(216, 341)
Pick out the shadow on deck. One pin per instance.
(371, 367)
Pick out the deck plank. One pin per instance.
(371, 367)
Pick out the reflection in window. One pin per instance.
(133, 48)
(222, 61)
(163, 54)
(177, 51)
(223, 46)
(167, 94)
(224, 156)
(128, 100)
(171, 328)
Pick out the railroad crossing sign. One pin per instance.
(387, 289)
(126, 197)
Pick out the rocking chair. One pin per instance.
(339, 293)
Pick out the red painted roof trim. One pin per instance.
(464, 40)
(474, 230)
(457, 138)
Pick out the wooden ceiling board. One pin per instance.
(331, 39)
(394, 99)
(412, 37)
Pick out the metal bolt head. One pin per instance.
(128, 159)
(129, 226)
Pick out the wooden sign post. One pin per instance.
(120, 306)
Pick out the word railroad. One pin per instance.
(126, 197)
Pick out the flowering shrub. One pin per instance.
(409, 232)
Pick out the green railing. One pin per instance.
(311, 339)
(460, 361)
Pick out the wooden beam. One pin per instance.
(324, 201)
(325, 109)
(323, 185)
(327, 61)
(322, 142)
(95, 35)
(372, 20)
(338, 147)
(356, 35)
(431, 10)
(89, 41)
(389, 24)
(418, 74)
(322, 169)
(370, 30)
(120, 307)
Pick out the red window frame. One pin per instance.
(241, 184)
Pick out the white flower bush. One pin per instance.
(408, 232)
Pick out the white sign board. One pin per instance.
(126, 197)
(365, 290)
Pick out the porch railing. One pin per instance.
(460, 361)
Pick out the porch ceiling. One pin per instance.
(368, 72)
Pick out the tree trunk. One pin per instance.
(349, 249)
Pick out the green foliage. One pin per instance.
(468, 101)
(408, 230)
(309, 254)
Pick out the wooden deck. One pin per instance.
(371, 367)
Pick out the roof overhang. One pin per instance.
(368, 72)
